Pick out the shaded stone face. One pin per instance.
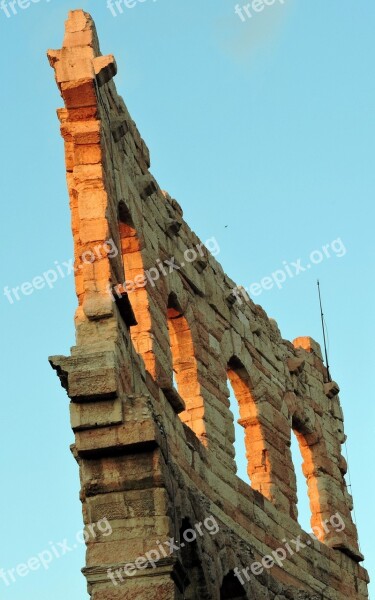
(160, 334)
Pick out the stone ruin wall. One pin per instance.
(153, 459)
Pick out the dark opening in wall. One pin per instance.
(231, 588)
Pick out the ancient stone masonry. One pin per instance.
(148, 383)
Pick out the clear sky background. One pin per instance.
(264, 131)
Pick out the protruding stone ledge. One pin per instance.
(90, 415)
(119, 128)
(138, 431)
(174, 399)
(146, 186)
(169, 566)
(346, 548)
(105, 68)
(231, 299)
(295, 365)
(121, 439)
(79, 94)
(331, 389)
(201, 264)
(80, 132)
(308, 344)
(72, 65)
(173, 226)
(97, 306)
(87, 378)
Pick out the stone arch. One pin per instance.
(330, 516)
(317, 469)
(134, 287)
(313, 450)
(185, 366)
(267, 432)
(258, 466)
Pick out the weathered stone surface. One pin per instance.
(159, 335)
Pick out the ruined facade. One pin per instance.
(160, 337)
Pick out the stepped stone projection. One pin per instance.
(157, 346)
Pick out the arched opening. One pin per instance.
(135, 287)
(303, 503)
(247, 427)
(330, 518)
(312, 454)
(231, 588)
(185, 368)
(194, 584)
(240, 456)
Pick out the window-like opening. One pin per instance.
(185, 368)
(239, 440)
(247, 428)
(312, 451)
(303, 503)
(231, 588)
(317, 475)
(135, 286)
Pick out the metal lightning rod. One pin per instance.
(324, 333)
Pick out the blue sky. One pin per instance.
(264, 131)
